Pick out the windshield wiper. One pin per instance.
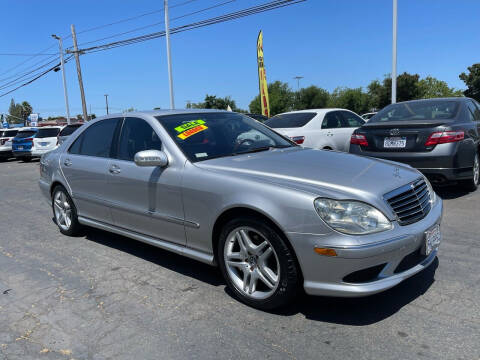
(264, 148)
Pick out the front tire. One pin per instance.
(256, 263)
(65, 212)
(472, 184)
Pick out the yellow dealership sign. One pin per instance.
(262, 77)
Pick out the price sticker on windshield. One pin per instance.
(192, 131)
(189, 125)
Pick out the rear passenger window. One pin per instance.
(332, 120)
(137, 135)
(96, 140)
(352, 120)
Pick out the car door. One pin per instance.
(147, 200)
(331, 129)
(351, 121)
(85, 167)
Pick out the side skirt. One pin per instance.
(178, 249)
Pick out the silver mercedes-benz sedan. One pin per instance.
(227, 190)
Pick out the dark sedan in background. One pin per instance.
(439, 137)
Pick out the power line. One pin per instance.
(30, 55)
(35, 78)
(219, 19)
(17, 80)
(25, 61)
(158, 23)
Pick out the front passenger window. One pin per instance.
(137, 135)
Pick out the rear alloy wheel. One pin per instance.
(65, 212)
(257, 264)
(472, 184)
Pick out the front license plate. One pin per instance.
(395, 142)
(433, 237)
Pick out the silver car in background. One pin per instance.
(226, 190)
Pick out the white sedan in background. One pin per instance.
(328, 129)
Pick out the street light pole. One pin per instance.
(106, 101)
(169, 59)
(298, 78)
(62, 65)
(394, 54)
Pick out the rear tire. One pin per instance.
(251, 249)
(65, 212)
(472, 184)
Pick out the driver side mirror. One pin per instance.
(151, 158)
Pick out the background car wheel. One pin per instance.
(64, 212)
(257, 264)
(472, 184)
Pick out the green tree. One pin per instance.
(130, 109)
(352, 99)
(214, 102)
(311, 97)
(381, 93)
(281, 99)
(431, 87)
(472, 80)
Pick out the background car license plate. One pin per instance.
(432, 239)
(395, 142)
(20, 148)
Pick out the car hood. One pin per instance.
(323, 173)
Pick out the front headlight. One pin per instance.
(351, 217)
(433, 195)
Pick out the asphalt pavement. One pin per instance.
(103, 296)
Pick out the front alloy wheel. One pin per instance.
(252, 263)
(257, 264)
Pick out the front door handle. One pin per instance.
(114, 169)
(67, 162)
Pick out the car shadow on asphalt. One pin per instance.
(365, 310)
(167, 259)
(450, 192)
(345, 311)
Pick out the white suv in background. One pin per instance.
(6, 136)
(329, 129)
(46, 140)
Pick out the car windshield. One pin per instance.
(292, 120)
(25, 134)
(418, 110)
(203, 136)
(46, 133)
(69, 129)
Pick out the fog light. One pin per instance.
(325, 251)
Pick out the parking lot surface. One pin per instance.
(103, 296)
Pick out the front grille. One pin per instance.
(411, 202)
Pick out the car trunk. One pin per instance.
(396, 136)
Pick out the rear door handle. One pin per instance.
(114, 169)
(67, 162)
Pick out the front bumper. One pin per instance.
(324, 275)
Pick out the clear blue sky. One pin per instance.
(329, 42)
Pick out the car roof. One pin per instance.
(50, 127)
(28, 129)
(457, 99)
(162, 113)
(318, 111)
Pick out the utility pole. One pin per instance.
(62, 65)
(106, 101)
(394, 54)
(298, 78)
(79, 73)
(169, 59)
